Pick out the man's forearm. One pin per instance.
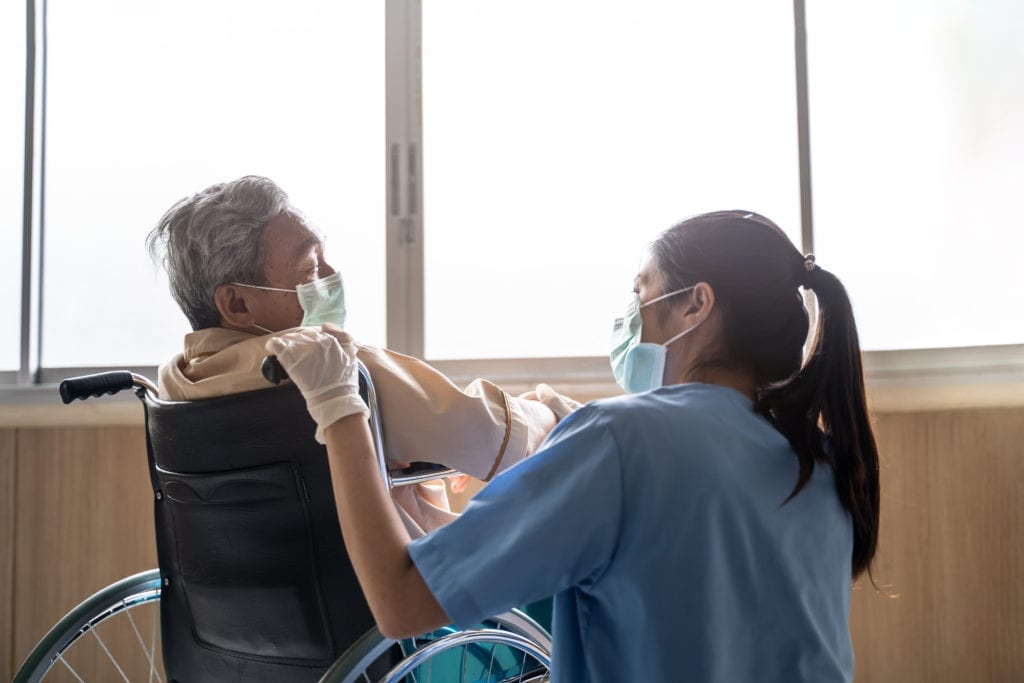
(375, 537)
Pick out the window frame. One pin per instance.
(936, 377)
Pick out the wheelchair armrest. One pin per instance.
(419, 472)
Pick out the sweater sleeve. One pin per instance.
(479, 430)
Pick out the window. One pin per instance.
(149, 102)
(918, 161)
(489, 173)
(575, 133)
(12, 158)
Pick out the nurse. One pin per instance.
(707, 526)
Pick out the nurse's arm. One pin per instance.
(375, 537)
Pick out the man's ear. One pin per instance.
(234, 306)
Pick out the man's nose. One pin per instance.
(325, 269)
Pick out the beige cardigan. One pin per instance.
(479, 430)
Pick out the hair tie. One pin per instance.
(807, 276)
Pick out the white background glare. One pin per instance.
(12, 151)
(152, 101)
(559, 139)
(918, 164)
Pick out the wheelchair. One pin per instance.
(254, 583)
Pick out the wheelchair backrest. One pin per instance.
(256, 582)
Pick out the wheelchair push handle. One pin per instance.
(95, 385)
(272, 370)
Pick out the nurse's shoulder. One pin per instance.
(634, 420)
(687, 403)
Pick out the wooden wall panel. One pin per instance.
(950, 551)
(950, 546)
(84, 520)
(7, 463)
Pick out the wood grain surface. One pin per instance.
(950, 553)
(8, 440)
(77, 514)
(84, 520)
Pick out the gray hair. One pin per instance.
(213, 238)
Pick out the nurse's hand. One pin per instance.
(560, 405)
(543, 408)
(322, 363)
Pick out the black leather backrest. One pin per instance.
(257, 585)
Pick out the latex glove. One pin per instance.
(322, 364)
(560, 405)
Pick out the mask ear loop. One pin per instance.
(269, 289)
(665, 296)
(687, 330)
(684, 333)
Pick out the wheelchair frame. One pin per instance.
(513, 630)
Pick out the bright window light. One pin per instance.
(561, 137)
(12, 155)
(152, 101)
(918, 164)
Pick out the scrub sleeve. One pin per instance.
(543, 526)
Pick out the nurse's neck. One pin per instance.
(742, 382)
(691, 364)
(697, 358)
(728, 377)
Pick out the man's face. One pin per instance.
(293, 256)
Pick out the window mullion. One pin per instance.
(803, 126)
(35, 47)
(405, 302)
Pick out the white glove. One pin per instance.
(322, 364)
(560, 405)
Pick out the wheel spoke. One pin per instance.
(491, 663)
(152, 647)
(109, 656)
(70, 668)
(142, 644)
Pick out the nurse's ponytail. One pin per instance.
(827, 395)
(818, 403)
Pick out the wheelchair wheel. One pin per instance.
(476, 655)
(122, 618)
(509, 647)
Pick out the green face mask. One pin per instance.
(322, 301)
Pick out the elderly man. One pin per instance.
(243, 264)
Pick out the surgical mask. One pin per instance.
(640, 366)
(322, 301)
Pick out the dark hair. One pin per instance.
(819, 403)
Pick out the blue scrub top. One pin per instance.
(656, 521)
